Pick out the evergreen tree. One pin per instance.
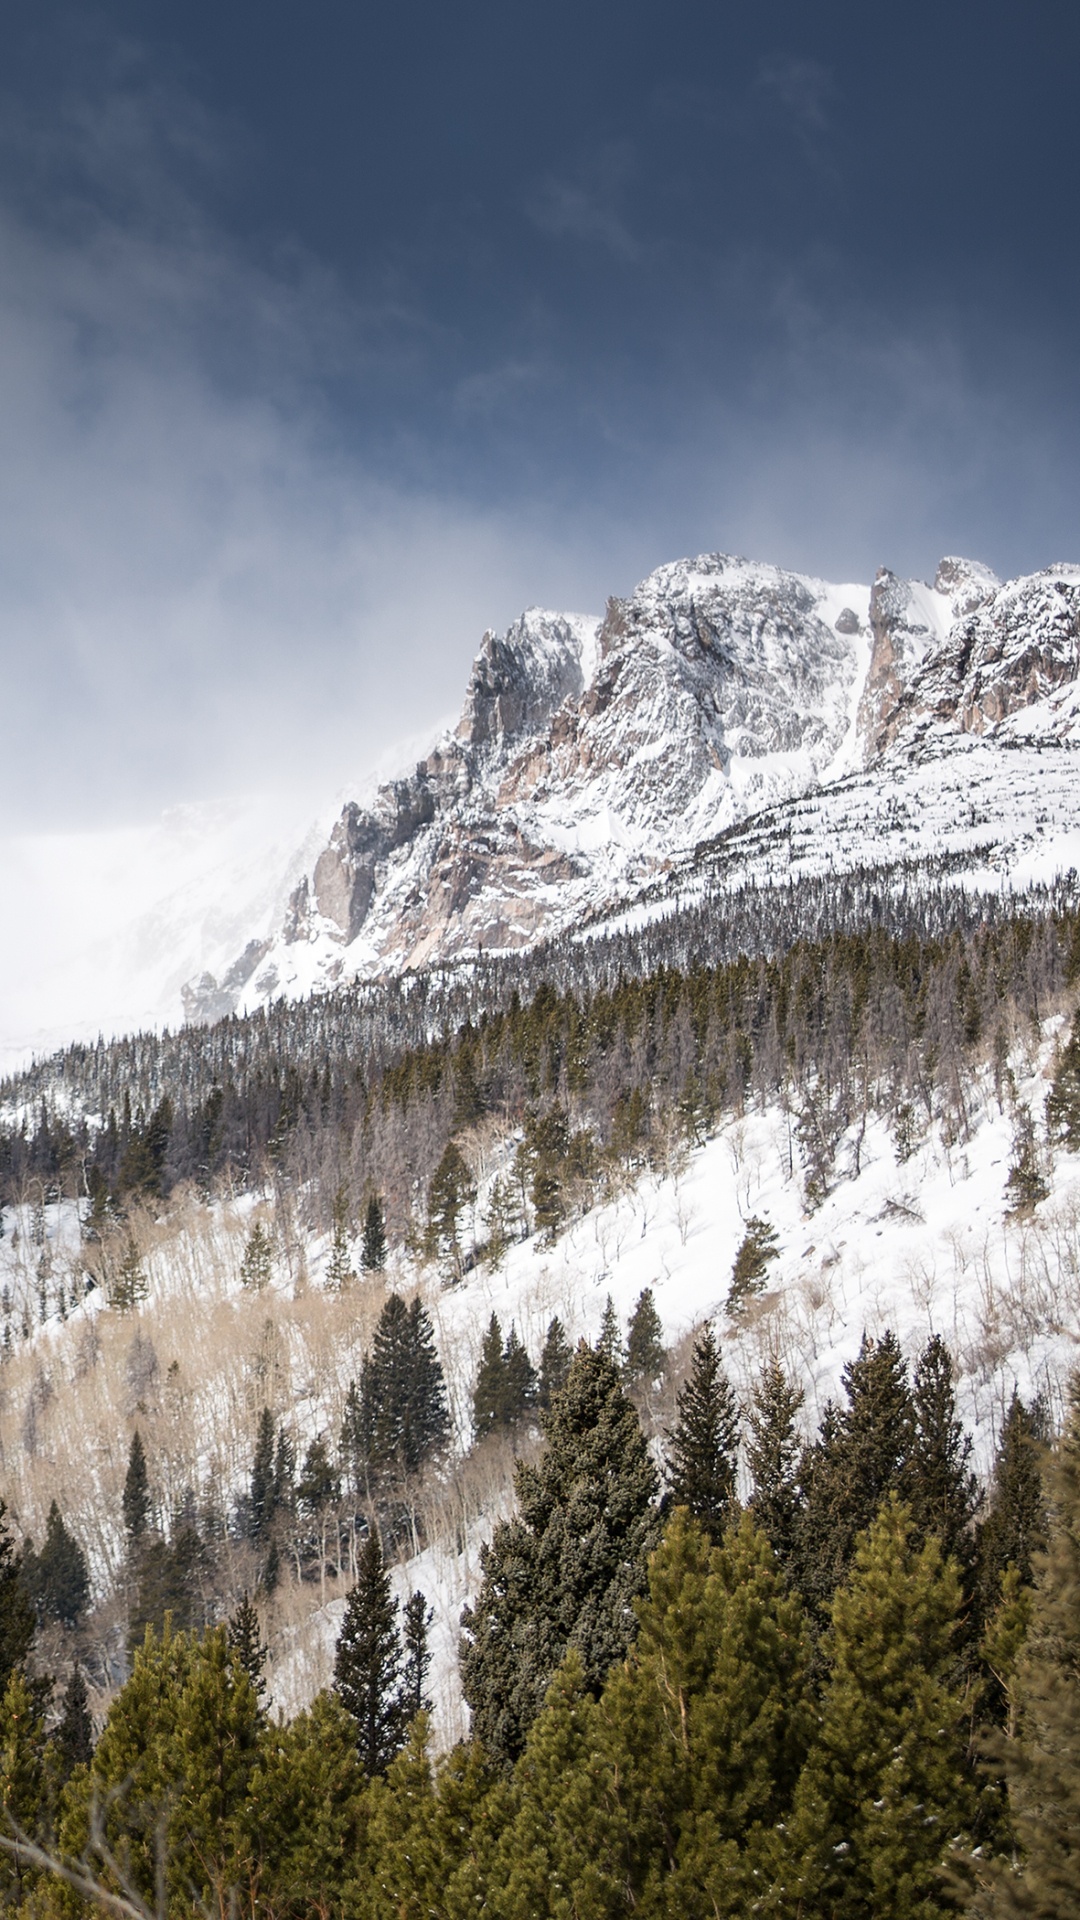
(318, 1486)
(355, 1441)
(554, 1364)
(257, 1263)
(1063, 1100)
(565, 1571)
(519, 1376)
(416, 1619)
(609, 1339)
(1042, 1765)
(405, 1396)
(452, 1190)
(862, 1453)
(646, 1357)
(1015, 1528)
(262, 1497)
(773, 1451)
(1026, 1184)
(489, 1391)
(757, 1248)
(16, 1612)
(23, 1785)
(136, 1500)
(308, 1808)
(373, 1250)
(74, 1737)
(339, 1271)
(57, 1578)
(885, 1792)
(368, 1662)
(703, 1447)
(941, 1488)
(129, 1285)
(245, 1641)
(171, 1576)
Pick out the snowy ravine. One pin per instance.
(921, 1247)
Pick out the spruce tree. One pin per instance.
(57, 1578)
(519, 1379)
(862, 1453)
(1042, 1765)
(23, 1785)
(74, 1737)
(339, 1271)
(885, 1793)
(452, 1190)
(646, 1356)
(262, 1496)
(1015, 1528)
(489, 1391)
(703, 1447)
(257, 1263)
(773, 1450)
(554, 1364)
(565, 1572)
(246, 1642)
(609, 1339)
(757, 1248)
(318, 1486)
(373, 1249)
(1063, 1100)
(16, 1612)
(355, 1440)
(940, 1486)
(136, 1499)
(405, 1395)
(416, 1619)
(1026, 1184)
(368, 1662)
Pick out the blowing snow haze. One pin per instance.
(328, 342)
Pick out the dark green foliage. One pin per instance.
(404, 1409)
(862, 1453)
(136, 1499)
(368, 1662)
(1027, 1183)
(941, 1487)
(74, 1735)
(1063, 1100)
(245, 1641)
(373, 1247)
(57, 1579)
(609, 1339)
(758, 1247)
(318, 1486)
(565, 1572)
(703, 1447)
(554, 1364)
(773, 1450)
(170, 1580)
(452, 1190)
(488, 1392)
(520, 1378)
(646, 1356)
(257, 1263)
(16, 1611)
(128, 1284)
(1015, 1528)
(339, 1271)
(263, 1493)
(416, 1619)
(355, 1438)
(1042, 1766)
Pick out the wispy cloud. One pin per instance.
(803, 88)
(587, 205)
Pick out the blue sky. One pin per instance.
(330, 335)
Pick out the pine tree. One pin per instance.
(74, 1737)
(57, 1578)
(554, 1365)
(1042, 1765)
(885, 1792)
(416, 1619)
(16, 1612)
(1063, 1100)
(318, 1486)
(563, 1573)
(452, 1190)
(519, 1377)
(646, 1357)
(257, 1263)
(490, 1388)
(171, 1575)
(773, 1451)
(862, 1453)
(23, 1784)
(405, 1395)
(339, 1273)
(129, 1284)
(368, 1662)
(1026, 1184)
(703, 1447)
(245, 1641)
(609, 1339)
(309, 1807)
(373, 1249)
(355, 1440)
(262, 1497)
(136, 1500)
(758, 1247)
(1015, 1528)
(941, 1487)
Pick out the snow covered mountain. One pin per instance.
(594, 758)
(727, 723)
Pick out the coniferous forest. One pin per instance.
(719, 1658)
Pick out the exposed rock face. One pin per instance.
(591, 754)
